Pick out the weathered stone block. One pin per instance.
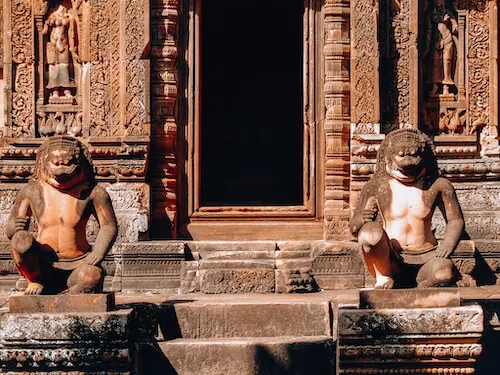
(62, 303)
(410, 340)
(150, 266)
(110, 326)
(409, 298)
(66, 343)
(433, 321)
(339, 266)
(246, 318)
(248, 356)
(248, 280)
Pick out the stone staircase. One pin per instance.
(248, 335)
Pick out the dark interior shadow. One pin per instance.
(152, 323)
(482, 272)
(487, 363)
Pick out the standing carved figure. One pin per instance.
(440, 49)
(61, 26)
(400, 249)
(61, 196)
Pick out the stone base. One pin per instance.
(409, 340)
(408, 298)
(62, 303)
(65, 343)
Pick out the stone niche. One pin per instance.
(81, 68)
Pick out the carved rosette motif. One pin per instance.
(22, 120)
(337, 102)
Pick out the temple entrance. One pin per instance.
(252, 142)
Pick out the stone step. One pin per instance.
(242, 356)
(252, 318)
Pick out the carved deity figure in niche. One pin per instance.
(61, 196)
(394, 213)
(440, 47)
(61, 26)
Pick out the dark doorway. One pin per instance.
(251, 109)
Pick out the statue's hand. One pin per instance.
(443, 252)
(94, 258)
(76, 58)
(22, 223)
(368, 215)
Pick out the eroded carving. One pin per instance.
(440, 49)
(61, 27)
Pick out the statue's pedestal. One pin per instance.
(62, 303)
(416, 339)
(53, 342)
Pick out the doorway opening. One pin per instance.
(252, 114)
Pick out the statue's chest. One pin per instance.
(409, 201)
(60, 207)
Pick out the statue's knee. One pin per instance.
(443, 272)
(22, 241)
(370, 235)
(437, 271)
(89, 275)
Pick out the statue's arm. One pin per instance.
(366, 210)
(20, 215)
(72, 39)
(454, 26)
(449, 206)
(108, 226)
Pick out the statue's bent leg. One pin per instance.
(29, 261)
(376, 249)
(436, 272)
(85, 279)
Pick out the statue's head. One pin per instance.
(407, 155)
(63, 162)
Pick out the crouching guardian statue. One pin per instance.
(393, 217)
(61, 196)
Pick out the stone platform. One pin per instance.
(256, 334)
(65, 333)
(80, 303)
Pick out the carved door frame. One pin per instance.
(311, 210)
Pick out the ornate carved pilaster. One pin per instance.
(337, 94)
(20, 71)
(135, 105)
(399, 64)
(483, 73)
(164, 16)
(365, 97)
(96, 107)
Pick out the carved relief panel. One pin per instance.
(458, 65)
(438, 68)
(79, 67)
